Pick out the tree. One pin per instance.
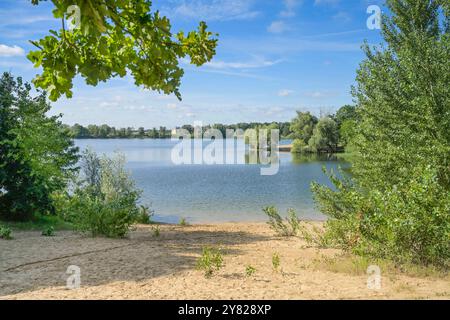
(396, 205)
(303, 125)
(162, 132)
(347, 131)
(112, 38)
(325, 136)
(345, 113)
(141, 132)
(37, 155)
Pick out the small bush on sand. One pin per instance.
(283, 227)
(5, 233)
(156, 231)
(144, 215)
(276, 261)
(104, 200)
(48, 232)
(250, 270)
(183, 222)
(211, 260)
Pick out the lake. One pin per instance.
(216, 193)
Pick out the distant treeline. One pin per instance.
(107, 132)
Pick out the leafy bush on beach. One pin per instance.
(105, 199)
(37, 155)
(250, 270)
(276, 261)
(5, 233)
(145, 215)
(287, 227)
(48, 232)
(211, 260)
(183, 222)
(156, 231)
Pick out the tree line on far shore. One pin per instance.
(310, 134)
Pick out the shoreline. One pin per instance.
(147, 267)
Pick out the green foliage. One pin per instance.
(183, 222)
(303, 126)
(37, 156)
(105, 200)
(113, 38)
(299, 146)
(144, 215)
(250, 270)
(345, 113)
(156, 231)
(104, 131)
(48, 232)
(276, 261)
(286, 228)
(397, 203)
(347, 131)
(210, 261)
(5, 233)
(38, 223)
(325, 136)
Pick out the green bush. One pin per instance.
(276, 261)
(145, 215)
(211, 260)
(298, 146)
(105, 200)
(5, 233)
(183, 222)
(37, 155)
(286, 228)
(409, 222)
(250, 270)
(156, 231)
(48, 232)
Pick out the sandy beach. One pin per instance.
(147, 267)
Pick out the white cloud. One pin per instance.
(285, 92)
(289, 8)
(7, 51)
(219, 10)
(278, 27)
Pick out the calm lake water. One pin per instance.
(216, 193)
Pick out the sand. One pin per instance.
(164, 267)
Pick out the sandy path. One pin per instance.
(145, 267)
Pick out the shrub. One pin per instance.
(144, 215)
(5, 233)
(37, 155)
(406, 223)
(276, 261)
(156, 231)
(211, 260)
(286, 228)
(183, 222)
(104, 201)
(298, 146)
(250, 270)
(48, 232)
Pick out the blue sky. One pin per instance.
(274, 57)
